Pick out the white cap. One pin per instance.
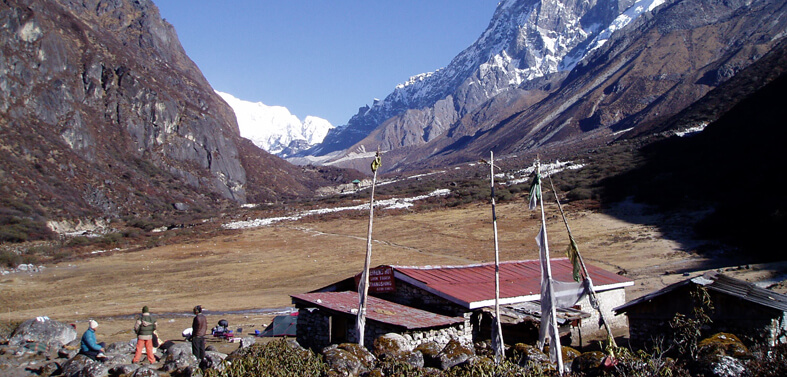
(93, 324)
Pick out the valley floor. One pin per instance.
(260, 268)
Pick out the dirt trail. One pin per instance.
(260, 268)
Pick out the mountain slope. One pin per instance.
(651, 67)
(103, 115)
(525, 40)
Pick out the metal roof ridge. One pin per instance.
(482, 264)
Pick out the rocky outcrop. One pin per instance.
(44, 331)
(106, 85)
(102, 115)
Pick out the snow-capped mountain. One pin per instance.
(525, 40)
(274, 128)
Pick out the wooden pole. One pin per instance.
(555, 338)
(497, 330)
(364, 285)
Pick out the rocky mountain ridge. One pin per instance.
(525, 40)
(650, 68)
(102, 115)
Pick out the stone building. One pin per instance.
(468, 292)
(754, 314)
(326, 318)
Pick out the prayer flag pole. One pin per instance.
(548, 312)
(594, 302)
(497, 331)
(363, 287)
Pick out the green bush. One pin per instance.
(110, 239)
(79, 241)
(275, 359)
(18, 229)
(9, 258)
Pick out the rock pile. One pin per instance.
(45, 347)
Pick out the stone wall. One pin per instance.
(314, 328)
(590, 328)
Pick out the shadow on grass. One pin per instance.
(735, 170)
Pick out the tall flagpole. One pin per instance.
(363, 287)
(554, 345)
(497, 331)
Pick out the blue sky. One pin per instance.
(322, 58)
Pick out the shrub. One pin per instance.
(276, 359)
(110, 239)
(769, 362)
(78, 241)
(9, 258)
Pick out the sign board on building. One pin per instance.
(381, 280)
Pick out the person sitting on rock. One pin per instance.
(89, 347)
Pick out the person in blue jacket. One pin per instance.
(89, 347)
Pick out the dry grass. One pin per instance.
(260, 268)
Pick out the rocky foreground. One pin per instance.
(45, 347)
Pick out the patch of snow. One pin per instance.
(692, 130)
(625, 18)
(622, 131)
(394, 203)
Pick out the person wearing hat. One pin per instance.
(88, 346)
(199, 326)
(144, 328)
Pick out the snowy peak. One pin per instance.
(525, 40)
(274, 128)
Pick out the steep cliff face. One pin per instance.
(103, 114)
(569, 75)
(646, 74)
(525, 40)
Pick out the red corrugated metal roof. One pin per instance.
(377, 310)
(471, 285)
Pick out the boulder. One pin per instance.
(719, 366)
(49, 369)
(123, 369)
(179, 351)
(144, 371)
(414, 359)
(44, 331)
(390, 346)
(723, 344)
(213, 360)
(179, 358)
(119, 358)
(524, 354)
(454, 353)
(568, 353)
(83, 366)
(348, 359)
(122, 347)
(588, 363)
(431, 353)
